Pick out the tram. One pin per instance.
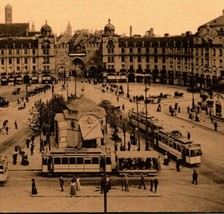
(137, 162)
(3, 169)
(139, 120)
(178, 146)
(70, 160)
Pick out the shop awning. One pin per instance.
(91, 131)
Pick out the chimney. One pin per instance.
(130, 31)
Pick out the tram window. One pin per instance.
(192, 153)
(187, 152)
(95, 160)
(178, 148)
(88, 161)
(57, 160)
(108, 161)
(174, 146)
(44, 161)
(64, 160)
(72, 160)
(79, 160)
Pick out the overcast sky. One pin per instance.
(164, 16)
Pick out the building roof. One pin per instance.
(85, 105)
(18, 43)
(157, 41)
(15, 29)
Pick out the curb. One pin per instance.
(95, 196)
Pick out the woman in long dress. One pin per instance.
(34, 188)
(73, 187)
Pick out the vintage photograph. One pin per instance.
(111, 106)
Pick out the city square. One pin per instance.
(66, 102)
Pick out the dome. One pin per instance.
(109, 26)
(45, 30)
(109, 29)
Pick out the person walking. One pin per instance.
(61, 182)
(102, 185)
(129, 145)
(16, 125)
(32, 138)
(32, 148)
(142, 181)
(215, 125)
(7, 130)
(34, 188)
(156, 182)
(178, 164)
(78, 185)
(126, 183)
(151, 185)
(73, 187)
(27, 143)
(195, 178)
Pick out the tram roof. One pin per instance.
(137, 154)
(70, 151)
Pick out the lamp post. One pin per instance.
(139, 146)
(192, 86)
(128, 95)
(75, 74)
(146, 115)
(124, 131)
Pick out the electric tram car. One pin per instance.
(83, 161)
(3, 169)
(178, 146)
(139, 120)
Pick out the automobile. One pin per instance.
(16, 91)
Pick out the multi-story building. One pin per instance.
(188, 60)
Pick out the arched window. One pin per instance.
(218, 108)
(110, 43)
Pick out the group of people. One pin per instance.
(30, 145)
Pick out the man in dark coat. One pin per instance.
(156, 182)
(142, 182)
(195, 178)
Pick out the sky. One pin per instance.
(164, 16)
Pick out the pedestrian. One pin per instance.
(142, 181)
(156, 182)
(178, 164)
(73, 187)
(32, 148)
(129, 145)
(27, 143)
(34, 188)
(7, 130)
(195, 177)
(115, 146)
(61, 182)
(188, 135)
(117, 98)
(108, 183)
(14, 156)
(215, 125)
(126, 183)
(166, 160)
(32, 138)
(78, 185)
(16, 126)
(151, 185)
(123, 107)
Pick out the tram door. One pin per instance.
(183, 154)
(102, 164)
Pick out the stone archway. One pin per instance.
(78, 67)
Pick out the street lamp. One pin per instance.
(75, 74)
(128, 95)
(139, 146)
(146, 116)
(192, 86)
(124, 131)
